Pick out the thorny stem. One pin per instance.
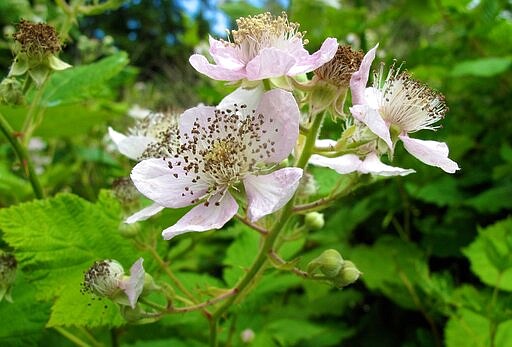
(71, 337)
(270, 238)
(23, 157)
(254, 226)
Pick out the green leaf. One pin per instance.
(393, 267)
(485, 67)
(56, 240)
(23, 320)
(240, 254)
(490, 255)
(467, 329)
(288, 332)
(441, 192)
(82, 82)
(493, 199)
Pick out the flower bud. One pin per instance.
(247, 336)
(330, 262)
(348, 275)
(8, 267)
(314, 220)
(11, 92)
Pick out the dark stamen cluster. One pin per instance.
(8, 265)
(37, 38)
(341, 67)
(221, 152)
(101, 278)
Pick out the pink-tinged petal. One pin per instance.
(343, 165)
(268, 193)
(129, 146)
(373, 121)
(430, 152)
(372, 165)
(360, 77)
(314, 61)
(216, 72)
(270, 62)
(221, 208)
(167, 187)
(135, 283)
(144, 214)
(225, 55)
(199, 114)
(280, 128)
(242, 96)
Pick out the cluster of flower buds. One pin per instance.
(208, 157)
(338, 271)
(107, 279)
(8, 267)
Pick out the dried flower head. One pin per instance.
(37, 39)
(124, 190)
(339, 69)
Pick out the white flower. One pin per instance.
(264, 46)
(219, 149)
(398, 104)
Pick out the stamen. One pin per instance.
(340, 68)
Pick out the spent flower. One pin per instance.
(263, 46)
(36, 52)
(106, 278)
(397, 105)
(221, 148)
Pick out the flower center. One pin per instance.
(221, 150)
(103, 278)
(162, 127)
(407, 103)
(263, 31)
(37, 39)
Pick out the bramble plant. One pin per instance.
(253, 174)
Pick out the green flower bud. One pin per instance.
(330, 262)
(129, 230)
(132, 314)
(314, 220)
(348, 275)
(11, 92)
(8, 267)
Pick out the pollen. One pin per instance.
(103, 278)
(407, 103)
(340, 68)
(221, 150)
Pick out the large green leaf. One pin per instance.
(484, 67)
(56, 241)
(82, 82)
(491, 255)
(23, 320)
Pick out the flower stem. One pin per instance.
(270, 238)
(23, 157)
(71, 337)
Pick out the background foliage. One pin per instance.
(435, 249)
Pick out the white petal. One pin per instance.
(135, 283)
(430, 152)
(373, 121)
(199, 114)
(343, 165)
(167, 187)
(250, 97)
(129, 146)
(325, 143)
(144, 214)
(372, 165)
(203, 218)
(360, 77)
(268, 193)
(281, 124)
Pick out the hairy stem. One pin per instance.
(23, 157)
(270, 238)
(71, 337)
